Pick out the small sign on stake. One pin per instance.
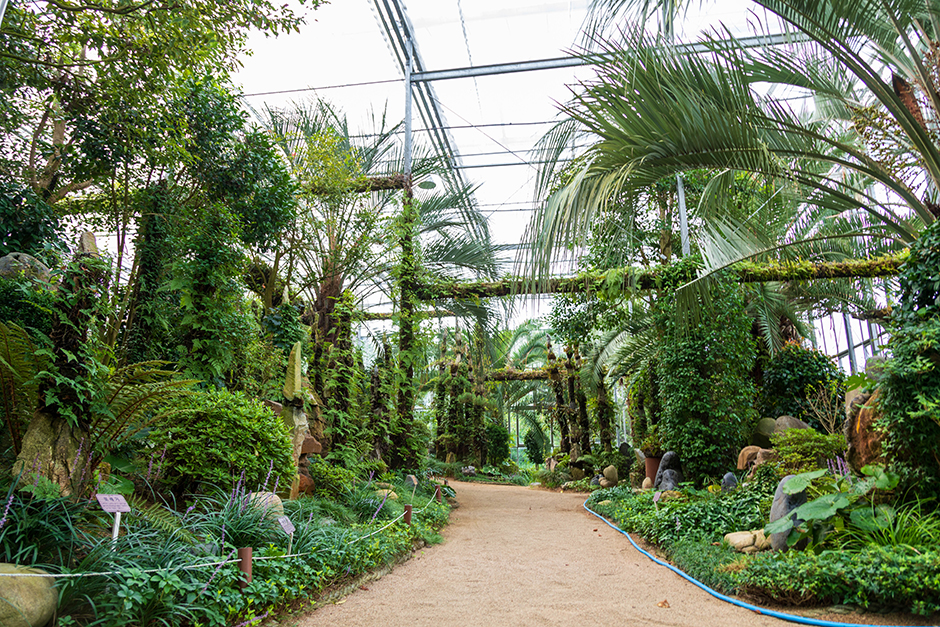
(289, 529)
(113, 504)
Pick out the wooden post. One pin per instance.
(408, 509)
(244, 565)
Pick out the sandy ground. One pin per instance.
(520, 557)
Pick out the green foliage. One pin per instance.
(39, 529)
(905, 524)
(330, 481)
(497, 444)
(26, 304)
(221, 438)
(285, 327)
(707, 395)
(874, 577)
(910, 399)
(803, 450)
(789, 381)
(533, 447)
(28, 225)
(837, 501)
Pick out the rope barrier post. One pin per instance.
(437, 494)
(408, 509)
(244, 565)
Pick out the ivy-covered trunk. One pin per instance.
(605, 415)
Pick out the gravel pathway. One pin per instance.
(520, 557)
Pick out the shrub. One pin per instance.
(896, 577)
(330, 481)
(793, 377)
(533, 447)
(706, 392)
(802, 450)
(497, 444)
(910, 393)
(220, 438)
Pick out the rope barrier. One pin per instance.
(208, 564)
(793, 618)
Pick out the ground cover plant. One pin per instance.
(150, 577)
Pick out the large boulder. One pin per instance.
(784, 423)
(16, 264)
(782, 506)
(748, 541)
(729, 482)
(669, 480)
(670, 461)
(26, 601)
(647, 483)
(267, 501)
(864, 441)
(763, 431)
(610, 478)
(747, 456)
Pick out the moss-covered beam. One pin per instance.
(508, 374)
(638, 279)
(370, 184)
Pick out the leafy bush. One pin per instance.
(533, 447)
(707, 397)
(330, 481)
(802, 450)
(221, 438)
(896, 577)
(37, 530)
(910, 393)
(497, 444)
(793, 377)
(26, 304)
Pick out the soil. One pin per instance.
(521, 557)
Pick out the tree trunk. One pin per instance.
(54, 449)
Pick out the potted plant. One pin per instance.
(652, 448)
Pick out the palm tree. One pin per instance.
(859, 171)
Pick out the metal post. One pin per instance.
(853, 367)
(409, 67)
(117, 522)
(683, 217)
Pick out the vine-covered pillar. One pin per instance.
(408, 266)
(561, 407)
(605, 415)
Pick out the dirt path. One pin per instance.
(518, 557)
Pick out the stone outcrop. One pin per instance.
(26, 601)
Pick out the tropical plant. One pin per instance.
(792, 376)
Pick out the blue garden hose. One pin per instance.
(781, 615)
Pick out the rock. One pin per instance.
(610, 473)
(470, 471)
(16, 264)
(273, 406)
(381, 485)
(551, 463)
(576, 473)
(747, 456)
(604, 483)
(670, 461)
(670, 495)
(740, 540)
(669, 480)
(387, 494)
(729, 482)
(310, 446)
(640, 456)
(87, 243)
(267, 501)
(765, 428)
(864, 442)
(293, 382)
(875, 368)
(647, 483)
(605, 502)
(597, 480)
(26, 601)
(763, 456)
(748, 541)
(411, 481)
(306, 485)
(789, 422)
(624, 449)
(782, 505)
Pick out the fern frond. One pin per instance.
(19, 364)
(159, 517)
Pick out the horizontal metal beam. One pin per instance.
(571, 61)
